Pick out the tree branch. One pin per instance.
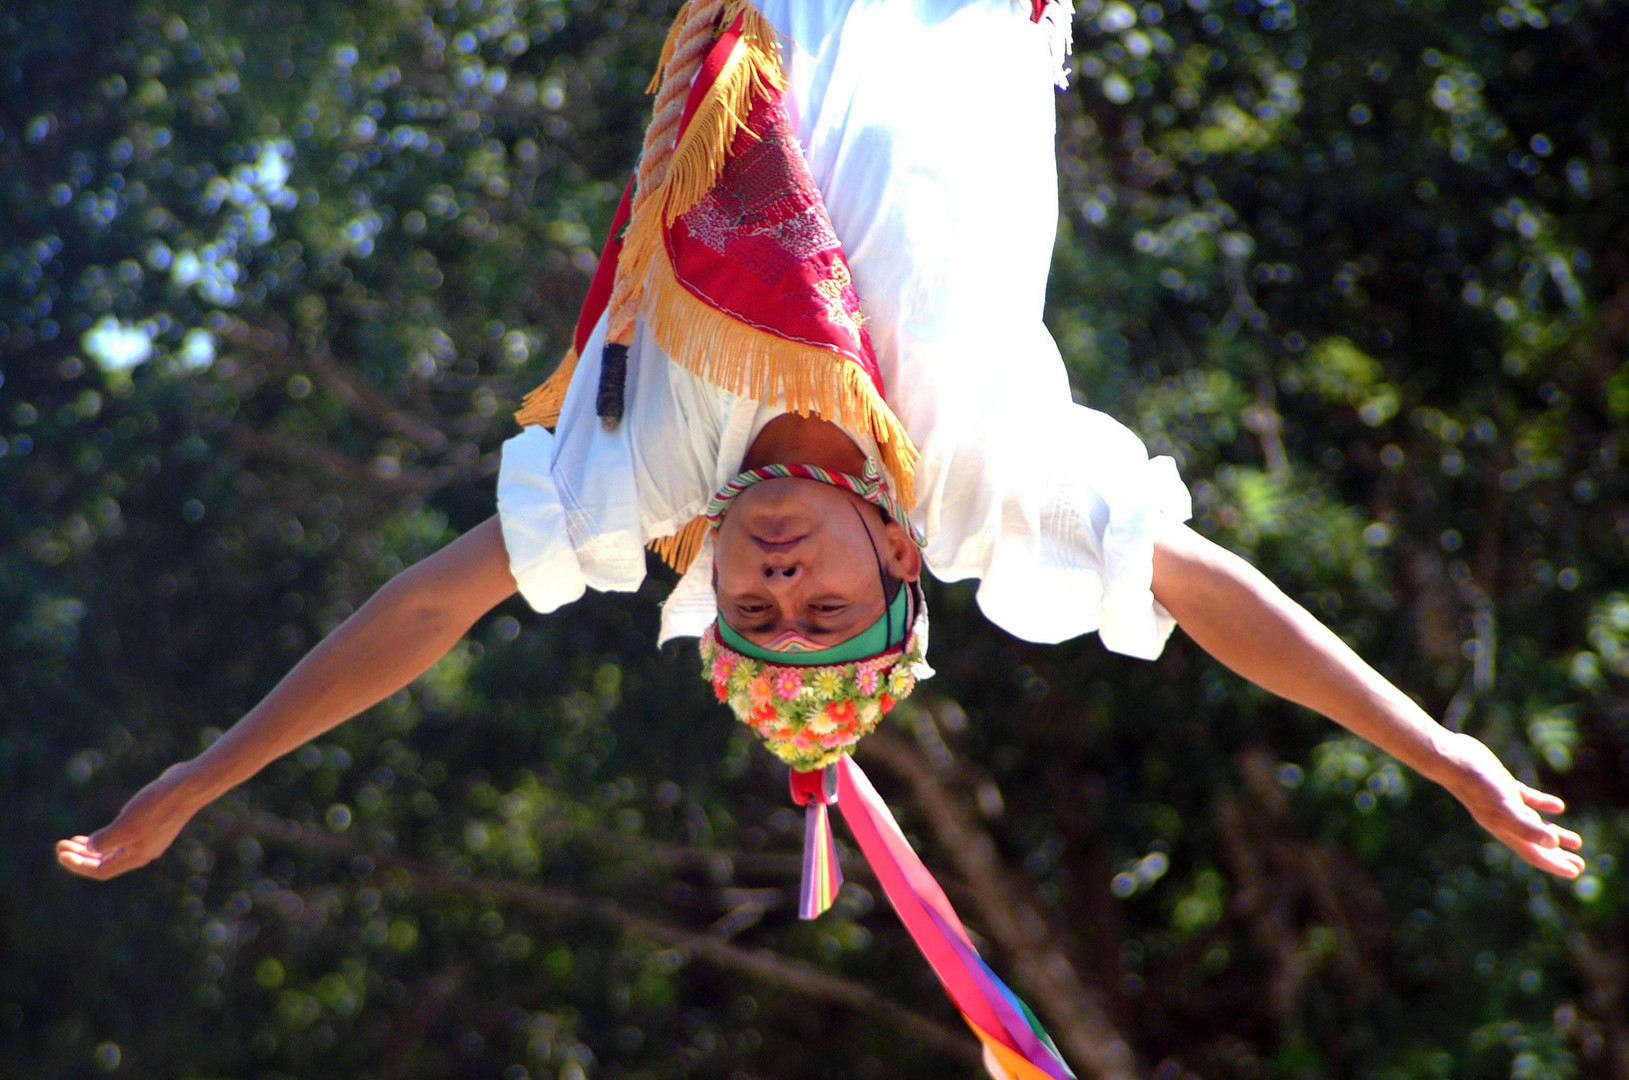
(378, 407)
(262, 444)
(719, 864)
(1273, 869)
(1605, 977)
(760, 965)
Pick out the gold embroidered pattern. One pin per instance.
(842, 302)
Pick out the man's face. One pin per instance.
(794, 555)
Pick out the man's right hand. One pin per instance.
(393, 639)
(143, 831)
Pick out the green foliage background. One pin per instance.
(272, 277)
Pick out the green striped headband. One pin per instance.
(869, 487)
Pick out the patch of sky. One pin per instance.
(361, 230)
(262, 181)
(118, 346)
(197, 350)
(258, 228)
(210, 271)
(254, 189)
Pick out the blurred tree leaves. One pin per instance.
(274, 276)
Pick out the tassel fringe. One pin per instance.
(804, 379)
(752, 72)
(680, 549)
(822, 876)
(541, 407)
(714, 346)
(815, 790)
(753, 69)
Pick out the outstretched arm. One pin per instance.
(395, 637)
(1247, 623)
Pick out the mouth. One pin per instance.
(777, 547)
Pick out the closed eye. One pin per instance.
(754, 617)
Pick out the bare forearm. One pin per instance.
(1243, 620)
(373, 654)
(1234, 613)
(396, 636)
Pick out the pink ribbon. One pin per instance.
(1016, 1046)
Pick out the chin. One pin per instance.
(787, 507)
(788, 490)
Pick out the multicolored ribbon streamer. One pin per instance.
(822, 876)
(1016, 1047)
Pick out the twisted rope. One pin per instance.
(694, 39)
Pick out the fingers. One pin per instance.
(1563, 864)
(77, 847)
(142, 831)
(1542, 801)
(80, 855)
(1554, 853)
(1526, 824)
(1515, 820)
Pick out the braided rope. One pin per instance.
(869, 487)
(660, 138)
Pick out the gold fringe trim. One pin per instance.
(716, 347)
(754, 68)
(749, 362)
(680, 549)
(668, 45)
(542, 406)
(753, 71)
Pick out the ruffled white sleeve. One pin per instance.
(541, 556)
(942, 188)
(1058, 520)
(570, 502)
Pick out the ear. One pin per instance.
(904, 557)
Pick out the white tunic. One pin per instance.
(928, 126)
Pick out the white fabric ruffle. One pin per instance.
(928, 125)
(541, 557)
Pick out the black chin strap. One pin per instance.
(882, 578)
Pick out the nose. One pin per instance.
(787, 573)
